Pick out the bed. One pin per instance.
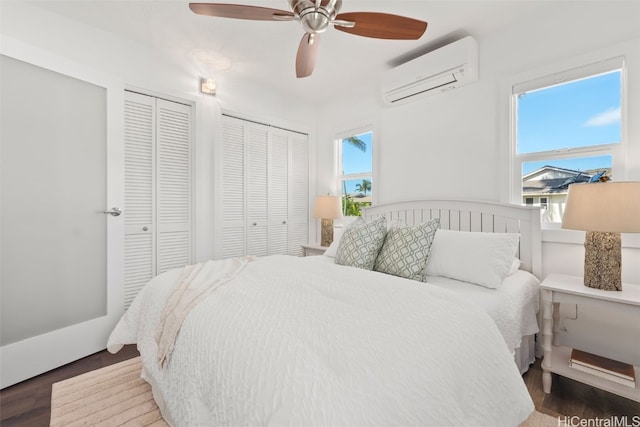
(504, 304)
(283, 340)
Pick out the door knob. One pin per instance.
(114, 211)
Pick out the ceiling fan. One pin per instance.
(315, 17)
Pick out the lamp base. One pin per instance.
(602, 260)
(326, 236)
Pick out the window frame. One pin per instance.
(340, 177)
(544, 204)
(551, 77)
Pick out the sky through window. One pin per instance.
(581, 113)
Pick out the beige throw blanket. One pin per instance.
(194, 284)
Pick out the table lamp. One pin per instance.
(327, 208)
(603, 210)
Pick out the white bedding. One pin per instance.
(512, 306)
(293, 341)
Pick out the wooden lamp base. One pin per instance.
(326, 236)
(602, 260)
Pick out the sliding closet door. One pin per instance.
(157, 189)
(61, 256)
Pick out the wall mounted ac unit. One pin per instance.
(446, 68)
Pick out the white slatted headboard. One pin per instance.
(463, 215)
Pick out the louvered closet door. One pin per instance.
(139, 154)
(173, 185)
(157, 211)
(233, 197)
(299, 192)
(264, 190)
(278, 192)
(257, 138)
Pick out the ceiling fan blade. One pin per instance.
(382, 25)
(307, 55)
(239, 11)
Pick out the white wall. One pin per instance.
(454, 144)
(450, 145)
(69, 47)
(135, 67)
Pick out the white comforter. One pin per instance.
(292, 342)
(513, 306)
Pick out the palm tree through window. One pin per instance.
(356, 172)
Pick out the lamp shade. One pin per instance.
(612, 207)
(328, 207)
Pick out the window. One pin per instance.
(567, 129)
(544, 203)
(355, 168)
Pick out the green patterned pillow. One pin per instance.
(406, 250)
(361, 242)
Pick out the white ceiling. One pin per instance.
(265, 51)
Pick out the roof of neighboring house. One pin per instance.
(360, 198)
(553, 180)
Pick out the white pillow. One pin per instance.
(480, 258)
(515, 266)
(333, 247)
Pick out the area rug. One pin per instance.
(107, 397)
(117, 396)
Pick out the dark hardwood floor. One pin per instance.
(570, 398)
(29, 402)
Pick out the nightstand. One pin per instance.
(556, 289)
(310, 250)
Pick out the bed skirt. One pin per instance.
(525, 355)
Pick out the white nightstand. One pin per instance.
(309, 250)
(556, 289)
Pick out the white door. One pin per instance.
(173, 186)
(263, 176)
(61, 255)
(157, 180)
(299, 192)
(278, 191)
(230, 176)
(257, 189)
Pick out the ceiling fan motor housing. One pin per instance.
(315, 19)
